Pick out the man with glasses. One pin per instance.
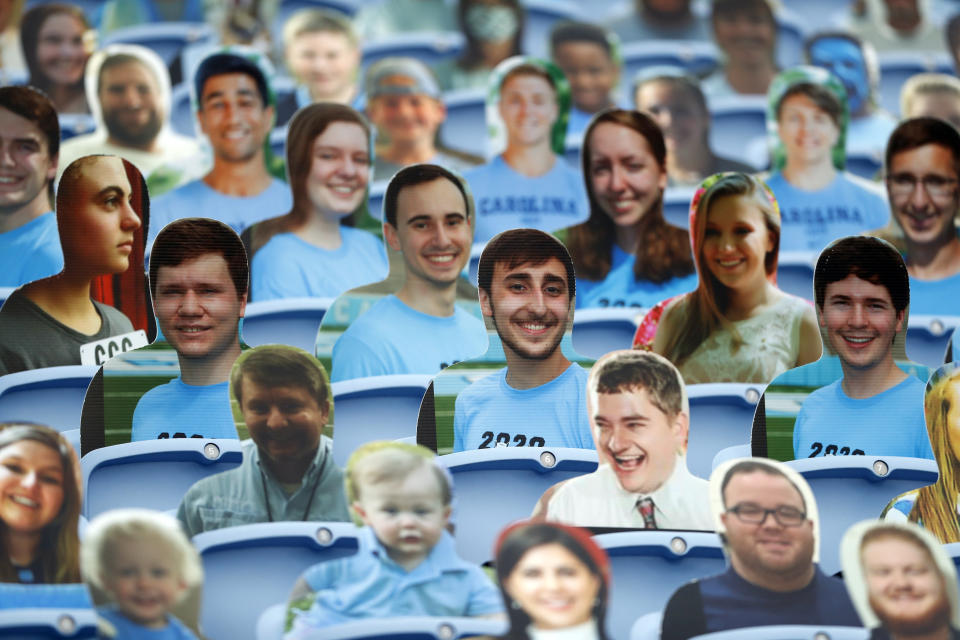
(766, 519)
(923, 165)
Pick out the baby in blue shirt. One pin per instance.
(146, 565)
(406, 564)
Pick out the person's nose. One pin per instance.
(618, 180)
(919, 198)
(617, 441)
(130, 220)
(858, 317)
(29, 481)
(6, 156)
(190, 304)
(348, 168)
(276, 418)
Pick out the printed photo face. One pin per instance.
(339, 169)
(406, 118)
(143, 581)
(775, 545)
(130, 98)
(683, 124)
(197, 306)
(625, 177)
(923, 192)
(529, 306)
(806, 131)
(324, 61)
(433, 232)
(528, 107)
(860, 321)
(590, 71)
(97, 234)
(31, 486)
(25, 175)
(61, 54)
(639, 441)
(232, 115)
(285, 422)
(736, 242)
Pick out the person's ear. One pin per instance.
(485, 307)
(243, 305)
(360, 511)
(447, 512)
(901, 314)
(680, 427)
(390, 235)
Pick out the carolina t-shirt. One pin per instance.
(30, 252)
(180, 410)
(621, 289)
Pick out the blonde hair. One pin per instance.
(391, 461)
(700, 312)
(936, 504)
(925, 84)
(135, 524)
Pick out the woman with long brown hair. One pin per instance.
(626, 253)
(56, 44)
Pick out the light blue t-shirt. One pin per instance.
(935, 297)
(506, 199)
(199, 199)
(620, 289)
(890, 423)
(130, 630)
(392, 338)
(810, 220)
(490, 413)
(289, 267)
(30, 252)
(180, 410)
(371, 585)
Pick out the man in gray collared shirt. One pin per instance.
(288, 471)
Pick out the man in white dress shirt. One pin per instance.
(640, 417)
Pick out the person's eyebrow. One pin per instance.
(112, 190)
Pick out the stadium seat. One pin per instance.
(292, 321)
(648, 566)
(465, 127)
(821, 15)
(494, 487)
(251, 567)
(849, 489)
(896, 67)
(789, 632)
(52, 395)
(693, 56)
(572, 148)
(35, 611)
(166, 39)
(647, 626)
(377, 408)
(151, 474)
(431, 48)
(721, 416)
(73, 437)
(75, 124)
(676, 205)
(375, 201)
(473, 267)
(418, 628)
(540, 16)
(795, 272)
(928, 336)
(738, 128)
(182, 117)
(731, 453)
(5, 293)
(865, 165)
(600, 331)
(791, 33)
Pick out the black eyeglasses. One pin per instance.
(901, 185)
(755, 514)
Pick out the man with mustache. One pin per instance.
(131, 87)
(526, 283)
(923, 167)
(288, 472)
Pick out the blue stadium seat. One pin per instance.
(182, 117)
(377, 408)
(853, 488)
(721, 415)
(928, 336)
(52, 396)
(693, 56)
(648, 566)
(599, 331)
(292, 321)
(738, 128)
(731, 453)
(75, 124)
(572, 149)
(34, 611)
(166, 39)
(151, 474)
(271, 620)
(5, 293)
(465, 127)
(896, 67)
(251, 567)
(647, 626)
(91, 8)
(795, 272)
(473, 267)
(429, 47)
(789, 632)
(540, 16)
(73, 437)
(676, 205)
(416, 628)
(821, 15)
(791, 33)
(865, 165)
(375, 201)
(494, 487)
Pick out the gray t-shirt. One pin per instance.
(30, 338)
